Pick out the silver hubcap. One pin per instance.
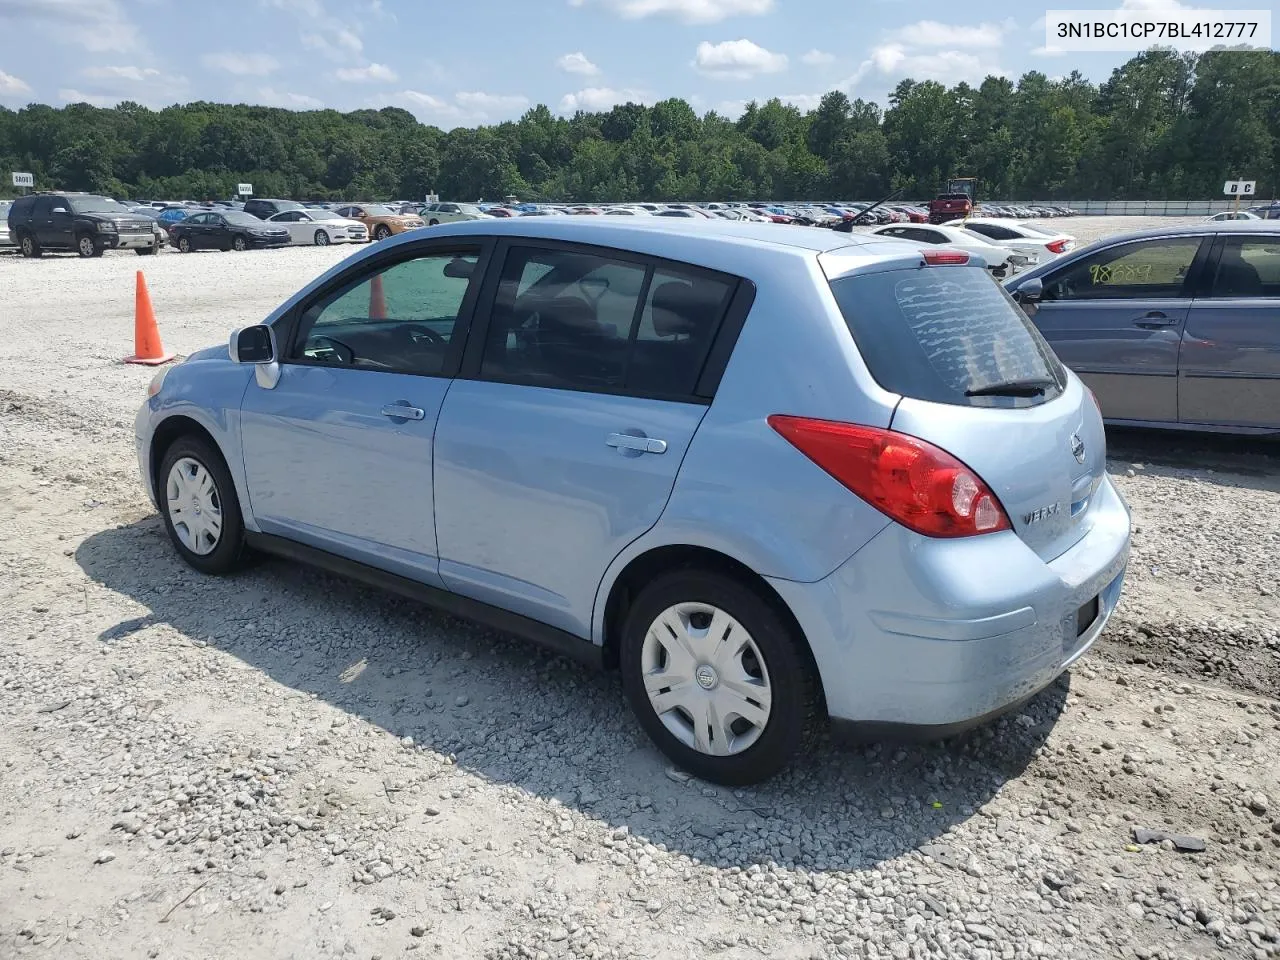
(322, 239)
(86, 246)
(27, 245)
(195, 509)
(239, 243)
(184, 244)
(706, 679)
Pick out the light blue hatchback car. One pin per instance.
(774, 475)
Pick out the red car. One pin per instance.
(501, 212)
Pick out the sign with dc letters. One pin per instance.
(245, 189)
(1239, 188)
(23, 179)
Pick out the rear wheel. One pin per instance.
(201, 511)
(30, 249)
(321, 238)
(717, 677)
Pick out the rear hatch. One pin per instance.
(978, 380)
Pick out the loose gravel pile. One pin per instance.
(287, 765)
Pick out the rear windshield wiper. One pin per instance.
(1014, 388)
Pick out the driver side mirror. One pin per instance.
(1030, 291)
(256, 344)
(59, 210)
(459, 269)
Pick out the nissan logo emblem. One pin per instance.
(1077, 448)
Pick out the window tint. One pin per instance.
(939, 333)
(401, 318)
(583, 321)
(1249, 267)
(1145, 270)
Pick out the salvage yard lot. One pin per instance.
(286, 765)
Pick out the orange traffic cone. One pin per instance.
(148, 349)
(377, 302)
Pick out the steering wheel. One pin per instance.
(416, 333)
(343, 352)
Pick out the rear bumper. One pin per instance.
(931, 636)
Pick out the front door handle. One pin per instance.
(625, 441)
(1155, 320)
(402, 411)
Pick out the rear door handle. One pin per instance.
(1155, 320)
(402, 411)
(625, 441)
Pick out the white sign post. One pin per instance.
(1238, 189)
(245, 189)
(25, 180)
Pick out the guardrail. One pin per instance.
(1138, 208)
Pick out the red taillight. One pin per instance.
(938, 258)
(913, 482)
(1057, 246)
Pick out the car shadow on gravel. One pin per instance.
(517, 716)
(1245, 461)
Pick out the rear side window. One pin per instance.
(582, 321)
(945, 333)
(1248, 267)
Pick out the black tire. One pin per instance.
(30, 249)
(382, 232)
(794, 717)
(184, 245)
(145, 251)
(239, 244)
(321, 239)
(87, 245)
(433, 222)
(230, 554)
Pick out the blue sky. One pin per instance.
(481, 61)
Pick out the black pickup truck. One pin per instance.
(82, 222)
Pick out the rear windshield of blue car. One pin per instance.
(942, 333)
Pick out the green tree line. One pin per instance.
(1163, 126)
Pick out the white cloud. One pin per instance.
(11, 85)
(894, 61)
(803, 101)
(340, 44)
(931, 33)
(732, 109)
(736, 60)
(577, 63)
(241, 64)
(596, 99)
(127, 72)
(96, 99)
(817, 58)
(465, 107)
(270, 97)
(690, 11)
(485, 102)
(373, 72)
(99, 26)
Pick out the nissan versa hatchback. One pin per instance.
(776, 476)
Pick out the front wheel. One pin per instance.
(88, 246)
(239, 244)
(321, 238)
(146, 251)
(184, 245)
(200, 507)
(717, 677)
(382, 232)
(433, 222)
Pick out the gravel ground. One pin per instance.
(287, 765)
